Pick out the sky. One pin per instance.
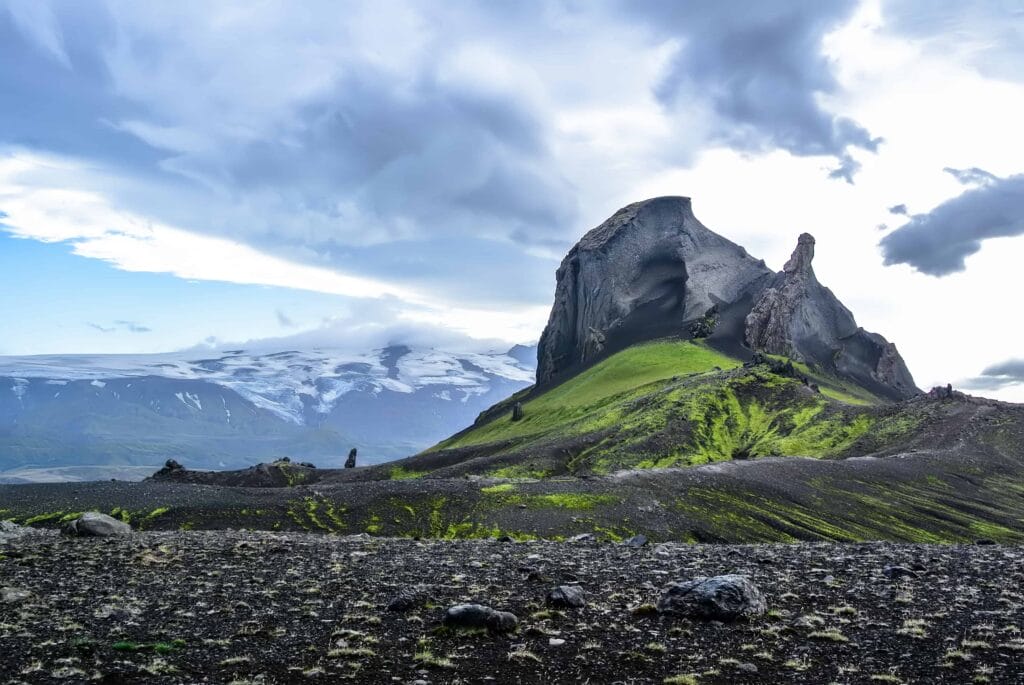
(205, 174)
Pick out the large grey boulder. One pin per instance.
(480, 616)
(797, 317)
(95, 524)
(642, 274)
(719, 598)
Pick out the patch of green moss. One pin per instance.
(498, 489)
(568, 500)
(44, 518)
(520, 471)
(402, 473)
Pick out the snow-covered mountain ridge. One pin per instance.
(235, 407)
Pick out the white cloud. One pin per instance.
(96, 229)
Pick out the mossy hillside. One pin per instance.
(582, 400)
(680, 403)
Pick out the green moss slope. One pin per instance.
(677, 403)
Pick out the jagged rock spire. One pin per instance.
(803, 255)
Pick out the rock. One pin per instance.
(409, 597)
(480, 616)
(797, 317)
(517, 411)
(642, 274)
(636, 541)
(171, 467)
(567, 597)
(894, 572)
(556, 641)
(13, 595)
(720, 598)
(9, 527)
(747, 668)
(662, 550)
(350, 463)
(95, 524)
(582, 537)
(985, 541)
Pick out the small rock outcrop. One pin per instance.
(797, 317)
(95, 524)
(644, 273)
(720, 598)
(480, 616)
(170, 469)
(566, 597)
(409, 597)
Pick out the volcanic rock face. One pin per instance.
(640, 275)
(798, 317)
(653, 270)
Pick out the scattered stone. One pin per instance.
(636, 541)
(720, 598)
(409, 597)
(9, 527)
(13, 595)
(582, 537)
(894, 572)
(747, 668)
(567, 597)
(95, 524)
(556, 641)
(663, 550)
(480, 616)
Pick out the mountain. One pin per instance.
(236, 408)
(653, 270)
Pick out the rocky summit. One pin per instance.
(642, 274)
(653, 270)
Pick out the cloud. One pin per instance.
(121, 326)
(899, 209)
(986, 34)
(938, 242)
(998, 376)
(972, 176)
(284, 320)
(762, 70)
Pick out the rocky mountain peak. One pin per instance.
(653, 270)
(803, 255)
(642, 274)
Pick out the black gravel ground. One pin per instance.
(245, 607)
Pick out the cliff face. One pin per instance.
(640, 275)
(653, 269)
(798, 317)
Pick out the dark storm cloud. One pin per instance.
(938, 241)
(761, 67)
(1010, 372)
(899, 209)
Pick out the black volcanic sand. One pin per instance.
(223, 606)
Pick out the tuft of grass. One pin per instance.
(830, 635)
(681, 679)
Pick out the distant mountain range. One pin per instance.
(235, 408)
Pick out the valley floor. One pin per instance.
(262, 607)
